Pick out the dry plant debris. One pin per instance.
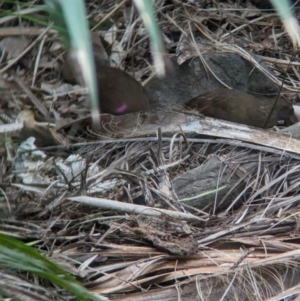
(232, 236)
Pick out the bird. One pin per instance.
(119, 92)
(241, 107)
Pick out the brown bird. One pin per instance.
(119, 92)
(241, 107)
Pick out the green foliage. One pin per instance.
(17, 256)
